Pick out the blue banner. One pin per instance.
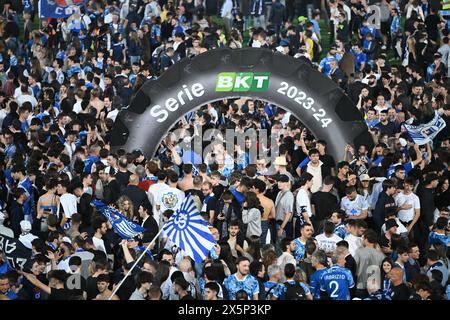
(425, 132)
(124, 227)
(59, 8)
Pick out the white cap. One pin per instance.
(364, 177)
(2, 217)
(25, 225)
(66, 239)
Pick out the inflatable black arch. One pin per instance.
(316, 100)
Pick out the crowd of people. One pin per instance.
(373, 225)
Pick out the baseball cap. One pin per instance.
(67, 239)
(25, 225)
(364, 177)
(391, 223)
(302, 19)
(282, 178)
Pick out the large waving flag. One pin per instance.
(189, 231)
(59, 8)
(425, 132)
(124, 227)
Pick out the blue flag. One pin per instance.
(59, 8)
(124, 227)
(189, 231)
(425, 132)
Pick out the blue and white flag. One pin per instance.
(189, 231)
(124, 227)
(59, 8)
(425, 132)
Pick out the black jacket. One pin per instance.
(151, 229)
(111, 192)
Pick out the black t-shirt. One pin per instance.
(211, 204)
(388, 128)
(91, 288)
(400, 292)
(384, 242)
(384, 202)
(60, 294)
(78, 279)
(350, 264)
(427, 205)
(328, 163)
(325, 203)
(218, 190)
(30, 291)
(431, 22)
(187, 297)
(340, 187)
(123, 178)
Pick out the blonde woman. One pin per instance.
(125, 206)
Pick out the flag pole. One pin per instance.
(135, 263)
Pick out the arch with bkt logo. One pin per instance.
(242, 81)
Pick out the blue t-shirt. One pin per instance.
(28, 206)
(249, 284)
(238, 195)
(11, 295)
(89, 162)
(4, 268)
(300, 249)
(408, 167)
(360, 58)
(441, 239)
(276, 290)
(315, 283)
(337, 281)
(325, 65)
(339, 230)
(117, 49)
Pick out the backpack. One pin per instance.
(268, 291)
(294, 291)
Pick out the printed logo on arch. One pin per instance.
(242, 81)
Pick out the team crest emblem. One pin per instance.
(170, 200)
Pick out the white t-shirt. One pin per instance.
(303, 201)
(153, 192)
(355, 207)
(169, 199)
(408, 214)
(27, 239)
(99, 244)
(77, 107)
(327, 244)
(69, 204)
(353, 243)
